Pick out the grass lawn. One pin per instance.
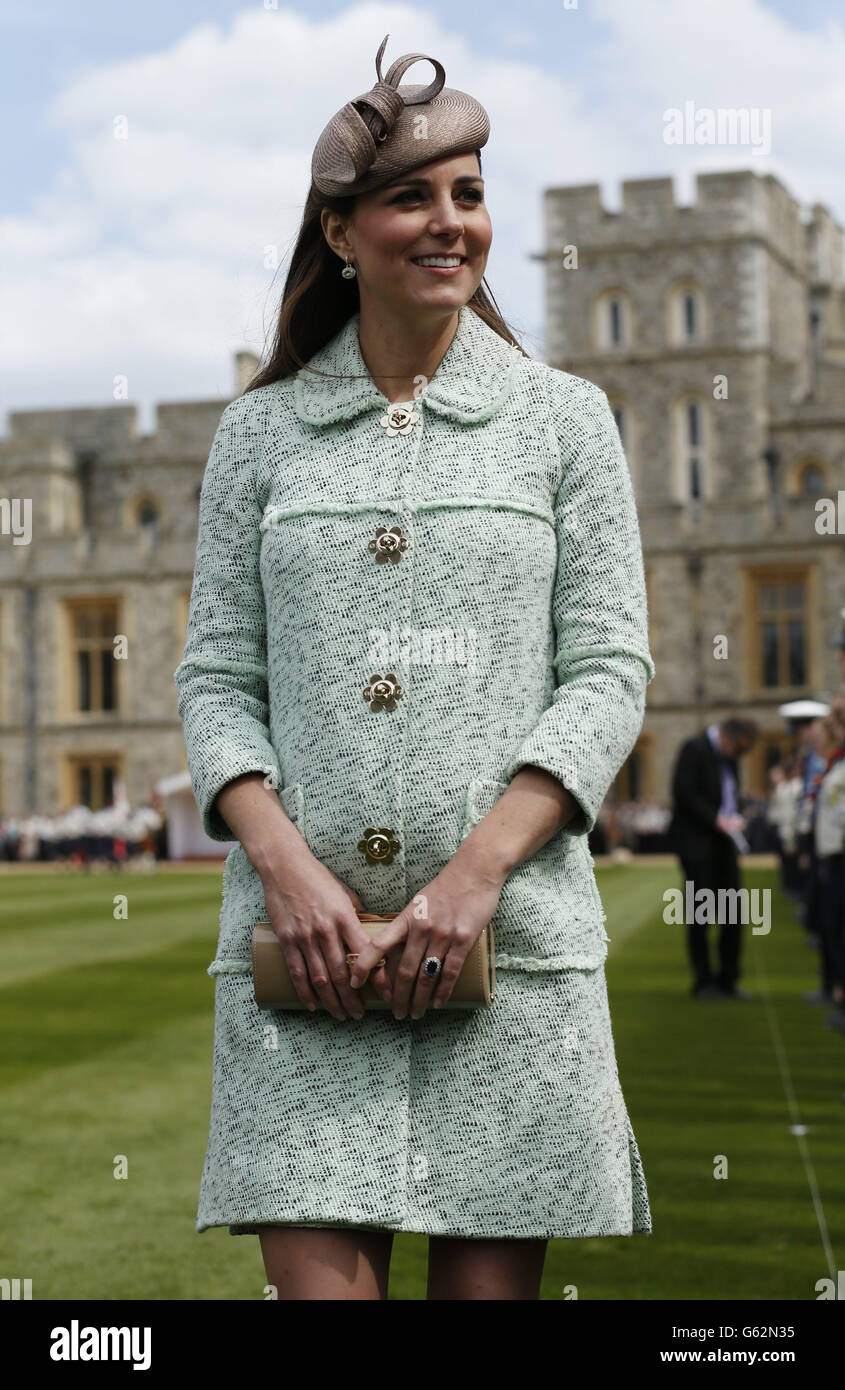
(106, 1052)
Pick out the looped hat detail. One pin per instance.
(351, 158)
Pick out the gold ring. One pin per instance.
(353, 956)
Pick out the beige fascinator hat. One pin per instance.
(405, 127)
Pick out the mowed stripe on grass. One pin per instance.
(107, 1031)
(49, 929)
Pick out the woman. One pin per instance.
(399, 471)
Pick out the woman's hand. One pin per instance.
(350, 892)
(448, 916)
(445, 919)
(313, 914)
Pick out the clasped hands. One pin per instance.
(313, 913)
(444, 920)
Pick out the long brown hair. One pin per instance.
(317, 301)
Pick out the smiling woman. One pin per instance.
(465, 188)
(401, 245)
(401, 465)
(381, 224)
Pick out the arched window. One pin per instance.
(809, 477)
(812, 481)
(691, 434)
(612, 321)
(147, 511)
(687, 314)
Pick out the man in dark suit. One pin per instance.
(705, 831)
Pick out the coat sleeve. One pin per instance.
(222, 677)
(602, 661)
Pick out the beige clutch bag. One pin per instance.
(473, 989)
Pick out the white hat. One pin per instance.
(803, 709)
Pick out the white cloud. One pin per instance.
(730, 54)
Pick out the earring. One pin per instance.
(349, 272)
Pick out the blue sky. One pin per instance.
(146, 259)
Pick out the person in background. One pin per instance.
(839, 643)
(829, 846)
(706, 832)
(756, 830)
(812, 760)
(786, 788)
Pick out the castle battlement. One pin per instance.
(112, 431)
(732, 204)
(102, 428)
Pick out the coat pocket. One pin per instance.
(243, 903)
(550, 914)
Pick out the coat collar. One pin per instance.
(471, 383)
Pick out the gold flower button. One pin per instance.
(383, 692)
(399, 420)
(388, 545)
(378, 846)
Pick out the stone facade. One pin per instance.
(113, 520)
(734, 306)
(741, 570)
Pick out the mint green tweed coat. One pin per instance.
(392, 613)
